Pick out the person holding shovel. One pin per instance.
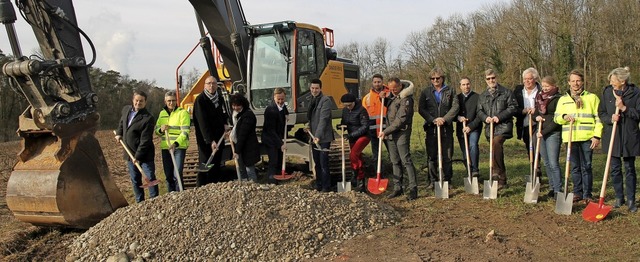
(546, 104)
(625, 97)
(580, 107)
(319, 116)
(468, 102)
(438, 106)
(526, 96)
(356, 120)
(243, 135)
(135, 129)
(273, 131)
(176, 121)
(398, 135)
(210, 118)
(497, 105)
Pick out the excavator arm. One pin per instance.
(61, 177)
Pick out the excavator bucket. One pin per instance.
(62, 182)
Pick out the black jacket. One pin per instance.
(356, 120)
(430, 109)
(208, 120)
(468, 106)
(139, 135)
(627, 140)
(501, 104)
(273, 127)
(517, 93)
(247, 145)
(549, 126)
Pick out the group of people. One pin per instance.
(386, 114)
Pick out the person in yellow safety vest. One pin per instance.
(580, 107)
(372, 103)
(176, 121)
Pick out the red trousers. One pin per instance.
(356, 155)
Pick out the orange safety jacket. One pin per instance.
(372, 103)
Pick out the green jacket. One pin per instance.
(179, 123)
(587, 124)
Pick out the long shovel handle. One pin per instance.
(491, 152)
(466, 146)
(133, 159)
(235, 160)
(568, 160)
(284, 142)
(213, 153)
(380, 141)
(537, 155)
(439, 156)
(531, 167)
(176, 173)
(342, 147)
(609, 152)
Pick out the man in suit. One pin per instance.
(275, 116)
(210, 118)
(319, 116)
(136, 128)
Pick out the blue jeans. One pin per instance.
(167, 165)
(581, 173)
(321, 159)
(550, 151)
(247, 172)
(629, 177)
(136, 179)
(474, 151)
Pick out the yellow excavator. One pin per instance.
(61, 177)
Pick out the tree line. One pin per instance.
(553, 36)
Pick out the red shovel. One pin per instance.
(378, 185)
(596, 212)
(283, 175)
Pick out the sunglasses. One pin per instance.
(435, 78)
(491, 78)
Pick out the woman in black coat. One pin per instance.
(626, 145)
(244, 136)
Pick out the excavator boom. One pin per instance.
(61, 177)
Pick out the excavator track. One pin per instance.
(335, 160)
(191, 162)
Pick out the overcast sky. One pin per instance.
(147, 39)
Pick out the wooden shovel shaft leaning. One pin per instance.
(609, 152)
(380, 140)
(531, 167)
(491, 152)
(439, 157)
(466, 146)
(284, 142)
(133, 159)
(343, 162)
(176, 173)
(537, 155)
(568, 160)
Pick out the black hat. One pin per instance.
(348, 98)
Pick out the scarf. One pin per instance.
(492, 90)
(313, 105)
(543, 98)
(576, 96)
(213, 97)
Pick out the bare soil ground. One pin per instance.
(455, 229)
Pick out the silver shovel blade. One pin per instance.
(442, 189)
(490, 190)
(344, 187)
(564, 203)
(531, 192)
(471, 185)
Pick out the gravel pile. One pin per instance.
(233, 222)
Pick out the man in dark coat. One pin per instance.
(135, 128)
(624, 96)
(319, 116)
(275, 119)
(243, 134)
(438, 106)
(356, 120)
(468, 102)
(525, 95)
(210, 118)
(497, 105)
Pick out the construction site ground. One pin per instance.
(462, 228)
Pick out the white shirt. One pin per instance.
(529, 101)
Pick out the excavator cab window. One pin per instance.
(270, 67)
(310, 62)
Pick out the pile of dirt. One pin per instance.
(245, 221)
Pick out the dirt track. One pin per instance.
(431, 229)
